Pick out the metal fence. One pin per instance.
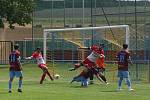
(5, 48)
(83, 13)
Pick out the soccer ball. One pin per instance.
(56, 76)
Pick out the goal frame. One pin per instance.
(51, 31)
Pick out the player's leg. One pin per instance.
(20, 84)
(45, 71)
(126, 75)
(79, 77)
(120, 75)
(84, 82)
(48, 73)
(129, 84)
(91, 79)
(19, 75)
(103, 77)
(43, 77)
(11, 75)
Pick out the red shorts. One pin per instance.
(89, 64)
(42, 66)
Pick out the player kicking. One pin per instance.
(41, 64)
(89, 62)
(15, 68)
(83, 76)
(123, 58)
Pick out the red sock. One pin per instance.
(42, 78)
(49, 75)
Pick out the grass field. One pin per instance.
(62, 90)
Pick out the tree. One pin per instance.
(16, 11)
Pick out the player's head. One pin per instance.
(125, 46)
(96, 48)
(102, 45)
(38, 49)
(16, 46)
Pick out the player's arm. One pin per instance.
(76, 66)
(19, 60)
(28, 58)
(130, 61)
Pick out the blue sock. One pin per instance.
(10, 85)
(128, 82)
(20, 84)
(120, 82)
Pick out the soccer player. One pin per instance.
(89, 62)
(15, 68)
(83, 76)
(41, 64)
(123, 59)
(101, 66)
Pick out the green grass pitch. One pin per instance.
(62, 90)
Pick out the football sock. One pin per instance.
(119, 82)
(42, 78)
(20, 84)
(103, 78)
(10, 85)
(128, 82)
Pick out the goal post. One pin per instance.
(49, 33)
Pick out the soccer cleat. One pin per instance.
(119, 89)
(131, 89)
(19, 90)
(107, 83)
(9, 91)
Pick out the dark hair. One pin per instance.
(38, 48)
(102, 45)
(16, 46)
(125, 46)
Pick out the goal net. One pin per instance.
(69, 44)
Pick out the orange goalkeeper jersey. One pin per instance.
(100, 62)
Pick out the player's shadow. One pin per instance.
(109, 91)
(2, 93)
(77, 86)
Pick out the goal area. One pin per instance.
(68, 44)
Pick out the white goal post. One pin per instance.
(46, 32)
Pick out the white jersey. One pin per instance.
(93, 56)
(38, 57)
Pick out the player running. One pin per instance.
(15, 68)
(41, 64)
(123, 58)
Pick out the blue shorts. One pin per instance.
(18, 74)
(84, 81)
(123, 74)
